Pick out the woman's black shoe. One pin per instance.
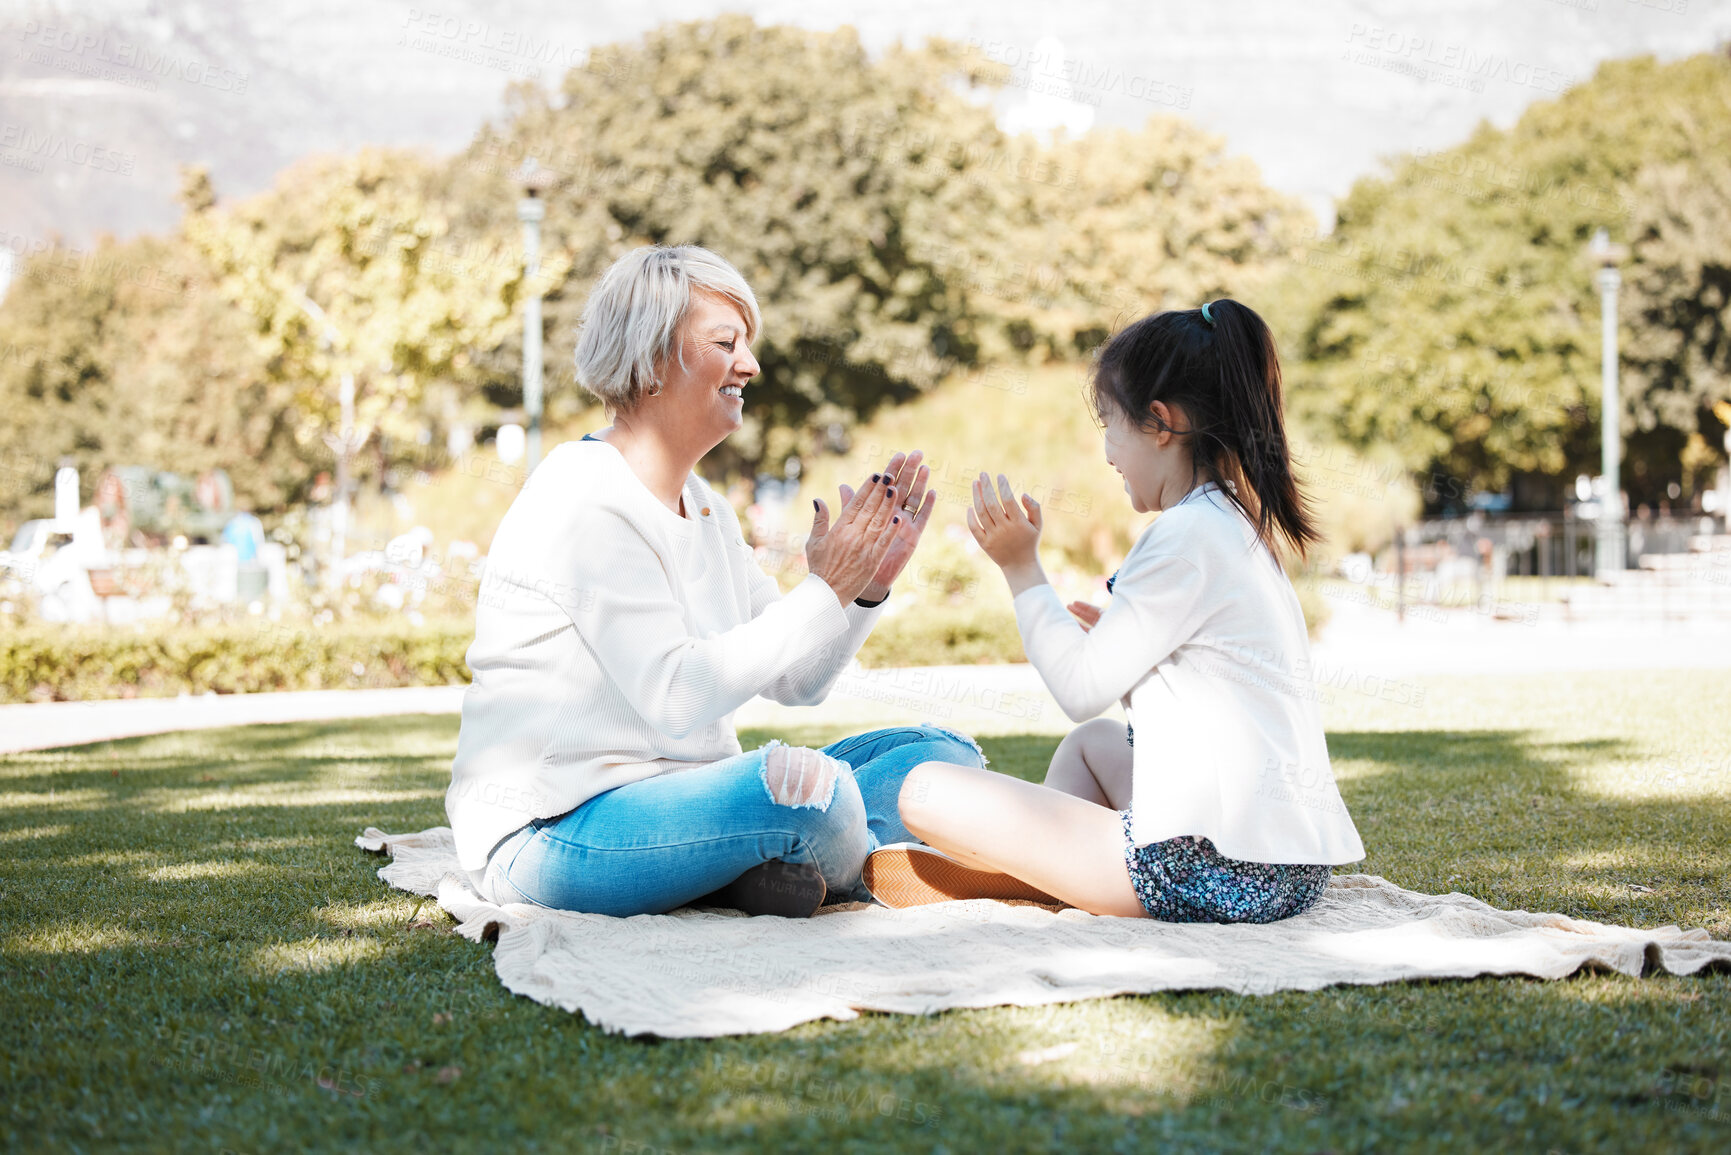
(785, 889)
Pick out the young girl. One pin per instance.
(1220, 805)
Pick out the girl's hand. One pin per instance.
(1010, 537)
(1087, 615)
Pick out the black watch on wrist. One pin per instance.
(863, 604)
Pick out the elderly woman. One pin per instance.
(622, 620)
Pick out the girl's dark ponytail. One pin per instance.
(1222, 371)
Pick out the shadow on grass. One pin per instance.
(309, 1006)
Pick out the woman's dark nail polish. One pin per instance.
(814, 507)
(896, 520)
(875, 476)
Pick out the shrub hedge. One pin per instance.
(40, 663)
(944, 635)
(46, 663)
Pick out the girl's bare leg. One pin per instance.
(1068, 847)
(1093, 763)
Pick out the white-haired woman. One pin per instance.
(623, 620)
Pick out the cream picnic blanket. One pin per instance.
(702, 973)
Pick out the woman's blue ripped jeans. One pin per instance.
(654, 845)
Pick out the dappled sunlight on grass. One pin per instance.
(1146, 1060)
(1595, 860)
(32, 833)
(258, 843)
(80, 936)
(1662, 777)
(1622, 894)
(282, 794)
(384, 912)
(190, 871)
(52, 800)
(316, 954)
(212, 891)
(109, 858)
(1688, 994)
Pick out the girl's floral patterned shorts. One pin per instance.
(1185, 879)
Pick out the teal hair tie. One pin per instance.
(1206, 315)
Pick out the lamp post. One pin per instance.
(1610, 527)
(343, 442)
(531, 210)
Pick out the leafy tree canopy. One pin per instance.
(1453, 315)
(891, 231)
(837, 185)
(370, 265)
(126, 354)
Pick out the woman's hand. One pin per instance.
(846, 555)
(1010, 537)
(908, 476)
(1088, 616)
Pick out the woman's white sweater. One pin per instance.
(614, 639)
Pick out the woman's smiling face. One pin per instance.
(705, 395)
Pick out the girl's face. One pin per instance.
(1155, 466)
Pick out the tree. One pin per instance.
(1452, 315)
(891, 231)
(127, 354)
(840, 187)
(1122, 223)
(1679, 309)
(372, 265)
(54, 375)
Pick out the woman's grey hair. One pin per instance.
(632, 322)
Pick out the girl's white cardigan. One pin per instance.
(1204, 641)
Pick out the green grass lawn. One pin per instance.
(195, 958)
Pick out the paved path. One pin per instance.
(1464, 642)
(973, 699)
(51, 724)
